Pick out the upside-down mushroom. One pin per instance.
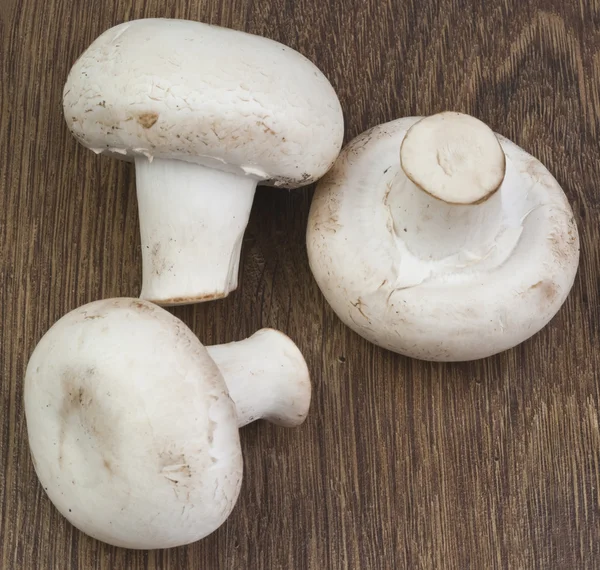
(440, 240)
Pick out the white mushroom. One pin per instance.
(133, 424)
(440, 240)
(206, 113)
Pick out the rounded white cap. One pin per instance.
(132, 431)
(177, 89)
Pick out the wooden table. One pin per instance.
(401, 464)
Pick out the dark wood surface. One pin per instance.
(401, 464)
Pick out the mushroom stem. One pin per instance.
(267, 378)
(432, 229)
(192, 222)
(446, 202)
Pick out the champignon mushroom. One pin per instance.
(206, 114)
(133, 424)
(438, 239)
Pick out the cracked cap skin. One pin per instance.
(176, 89)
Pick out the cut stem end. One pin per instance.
(453, 157)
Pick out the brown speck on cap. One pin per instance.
(147, 120)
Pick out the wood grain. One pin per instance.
(401, 464)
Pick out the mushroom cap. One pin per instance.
(132, 432)
(177, 89)
(358, 258)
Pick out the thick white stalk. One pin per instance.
(267, 378)
(433, 229)
(192, 222)
(446, 199)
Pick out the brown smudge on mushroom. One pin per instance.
(171, 301)
(147, 120)
(388, 189)
(80, 407)
(266, 128)
(289, 182)
(92, 317)
(564, 241)
(158, 261)
(174, 467)
(75, 398)
(547, 290)
(142, 306)
(325, 209)
(212, 425)
(359, 306)
(107, 465)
